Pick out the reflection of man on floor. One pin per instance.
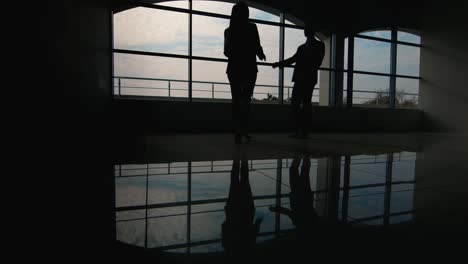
(239, 232)
(302, 212)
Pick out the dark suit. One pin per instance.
(308, 58)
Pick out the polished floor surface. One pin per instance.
(201, 197)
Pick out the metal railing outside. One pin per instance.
(119, 87)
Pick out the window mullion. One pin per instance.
(190, 54)
(281, 58)
(393, 58)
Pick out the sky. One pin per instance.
(153, 30)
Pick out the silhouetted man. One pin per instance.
(241, 46)
(308, 59)
(239, 232)
(302, 212)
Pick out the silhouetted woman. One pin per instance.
(241, 46)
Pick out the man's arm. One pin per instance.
(281, 210)
(320, 56)
(285, 62)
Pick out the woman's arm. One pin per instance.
(258, 46)
(227, 44)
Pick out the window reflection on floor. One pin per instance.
(180, 206)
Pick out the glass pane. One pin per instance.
(345, 87)
(401, 218)
(408, 37)
(222, 165)
(288, 85)
(266, 87)
(403, 170)
(200, 208)
(404, 156)
(408, 60)
(401, 201)
(129, 215)
(407, 93)
(268, 222)
(226, 9)
(208, 36)
(365, 170)
(210, 80)
(132, 170)
(130, 191)
(345, 62)
(150, 75)
(167, 211)
(167, 231)
(384, 34)
(258, 14)
(178, 167)
(178, 3)
(371, 90)
(210, 185)
(201, 166)
(269, 39)
(264, 164)
(206, 226)
(167, 189)
(292, 20)
(152, 30)
(293, 38)
(371, 55)
(213, 7)
(263, 182)
(131, 232)
(366, 202)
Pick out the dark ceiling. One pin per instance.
(340, 16)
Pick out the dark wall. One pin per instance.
(135, 116)
(444, 67)
(77, 164)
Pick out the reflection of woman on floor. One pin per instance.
(239, 231)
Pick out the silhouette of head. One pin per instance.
(239, 14)
(309, 30)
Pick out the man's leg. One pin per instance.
(306, 110)
(295, 107)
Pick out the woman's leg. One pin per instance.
(248, 88)
(235, 84)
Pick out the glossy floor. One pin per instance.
(367, 187)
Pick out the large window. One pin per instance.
(174, 50)
(383, 67)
